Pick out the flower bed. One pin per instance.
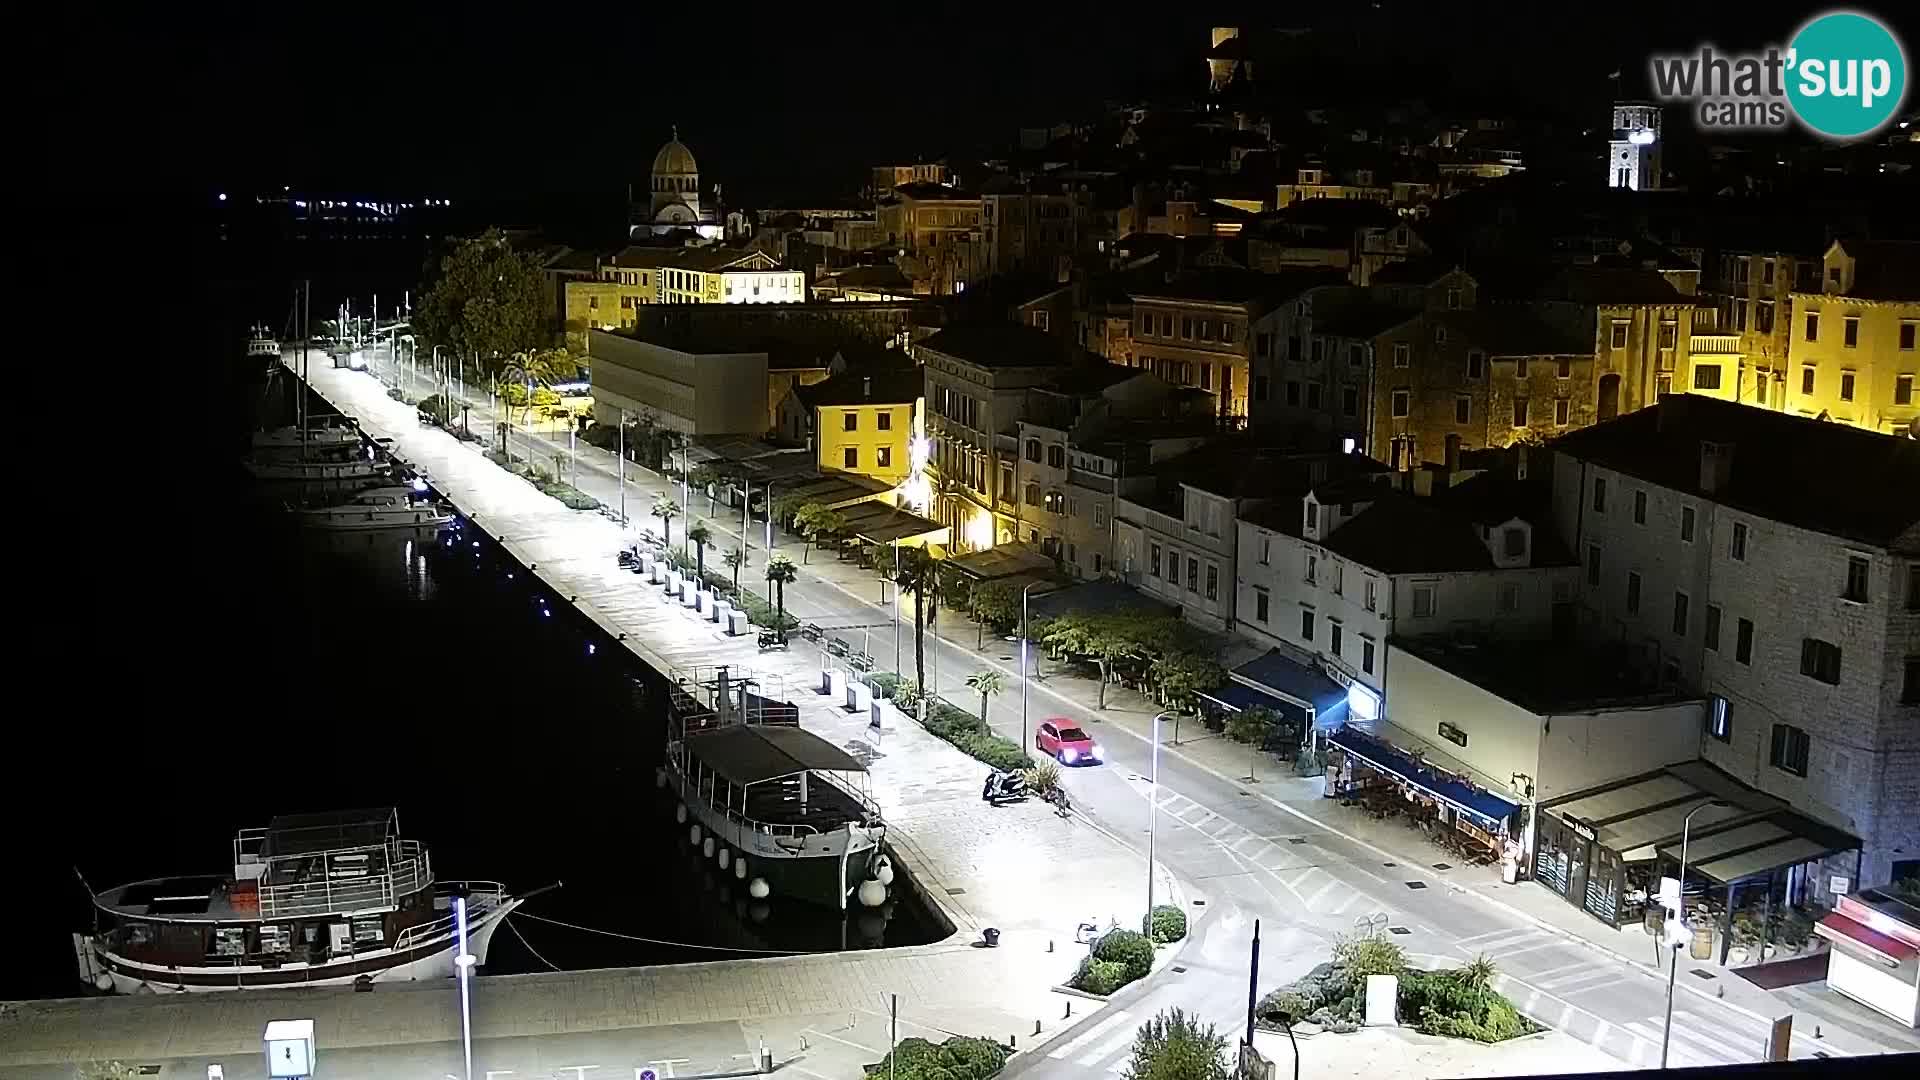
(958, 1058)
(1458, 1003)
(967, 732)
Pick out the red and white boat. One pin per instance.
(314, 900)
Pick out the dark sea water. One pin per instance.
(226, 668)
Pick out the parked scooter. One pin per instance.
(1004, 787)
(629, 559)
(772, 639)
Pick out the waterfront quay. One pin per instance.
(818, 1016)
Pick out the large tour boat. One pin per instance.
(314, 900)
(774, 805)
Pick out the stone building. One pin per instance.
(1202, 330)
(1854, 356)
(1773, 563)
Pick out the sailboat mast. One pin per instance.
(306, 330)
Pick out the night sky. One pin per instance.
(481, 104)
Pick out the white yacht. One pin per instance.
(389, 506)
(314, 438)
(262, 345)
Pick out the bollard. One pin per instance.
(1069, 1011)
(766, 1057)
(1049, 944)
(1036, 1029)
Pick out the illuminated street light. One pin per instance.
(464, 961)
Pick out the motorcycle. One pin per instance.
(629, 559)
(772, 639)
(1004, 787)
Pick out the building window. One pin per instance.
(1806, 379)
(1422, 601)
(1306, 625)
(1850, 331)
(1680, 602)
(1462, 409)
(1686, 524)
(1262, 343)
(1372, 591)
(852, 456)
(1633, 592)
(1669, 334)
(1514, 542)
(1476, 363)
(1820, 660)
(1402, 403)
(1333, 637)
(1293, 392)
(1903, 389)
(1339, 579)
(1790, 745)
(1206, 329)
(885, 420)
(1907, 331)
(1213, 582)
(1356, 355)
(1564, 370)
(1910, 682)
(1186, 327)
(1313, 395)
(1173, 567)
(1366, 656)
(1259, 388)
(1562, 412)
(1520, 368)
(1266, 550)
(1738, 549)
(1033, 451)
(1193, 574)
(1593, 565)
(1856, 589)
(1619, 338)
(1813, 326)
(1226, 333)
(1261, 604)
(1743, 641)
(1402, 354)
(1056, 456)
(1719, 719)
(1313, 517)
(1706, 376)
(1350, 401)
(1033, 494)
(1153, 560)
(883, 457)
(1599, 494)
(1206, 376)
(1713, 628)
(850, 421)
(1519, 412)
(1846, 386)
(1313, 569)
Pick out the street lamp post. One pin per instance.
(1153, 812)
(622, 469)
(1023, 663)
(464, 960)
(1679, 918)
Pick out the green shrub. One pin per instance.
(1101, 977)
(1453, 1004)
(973, 1058)
(884, 683)
(1166, 923)
(572, 498)
(1177, 1046)
(1285, 1003)
(1043, 777)
(1129, 948)
(1369, 954)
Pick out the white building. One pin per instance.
(1633, 154)
(1773, 563)
(1339, 570)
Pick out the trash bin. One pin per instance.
(991, 935)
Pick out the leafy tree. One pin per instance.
(535, 370)
(819, 524)
(486, 300)
(1251, 726)
(666, 510)
(918, 572)
(734, 558)
(1183, 676)
(995, 604)
(1175, 1046)
(700, 536)
(956, 588)
(987, 684)
(780, 571)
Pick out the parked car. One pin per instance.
(1067, 743)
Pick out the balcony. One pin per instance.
(1714, 344)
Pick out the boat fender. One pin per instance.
(103, 982)
(740, 869)
(726, 856)
(706, 849)
(883, 870)
(680, 814)
(659, 778)
(757, 888)
(693, 833)
(871, 893)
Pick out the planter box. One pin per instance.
(737, 623)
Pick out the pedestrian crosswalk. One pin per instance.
(1105, 1045)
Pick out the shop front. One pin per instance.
(1309, 702)
(1876, 953)
(1478, 826)
(1605, 850)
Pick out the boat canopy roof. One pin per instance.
(750, 753)
(337, 830)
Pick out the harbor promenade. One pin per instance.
(820, 1016)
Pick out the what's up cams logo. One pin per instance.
(1843, 76)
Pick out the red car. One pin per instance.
(1067, 743)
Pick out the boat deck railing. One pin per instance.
(864, 809)
(483, 898)
(338, 881)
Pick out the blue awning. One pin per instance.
(1488, 808)
(1236, 697)
(1300, 689)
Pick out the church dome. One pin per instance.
(674, 159)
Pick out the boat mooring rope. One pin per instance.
(660, 941)
(529, 946)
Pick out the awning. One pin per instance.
(1237, 697)
(1300, 689)
(1484, 805)
(748, 754)
(1886, 951)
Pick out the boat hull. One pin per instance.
(372, 519)
(820, 868)
(430, 959)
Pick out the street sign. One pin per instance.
(289, 1048)
(648, 1074)
(1838, 886)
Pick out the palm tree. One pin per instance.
(666, 510)
(733, 558)
(528, 370)
(700, 536)
(986, 684)
(781, 570)
(919, 572)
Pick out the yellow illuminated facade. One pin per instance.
(606, 305)
(1854, 347)
(870, 439)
